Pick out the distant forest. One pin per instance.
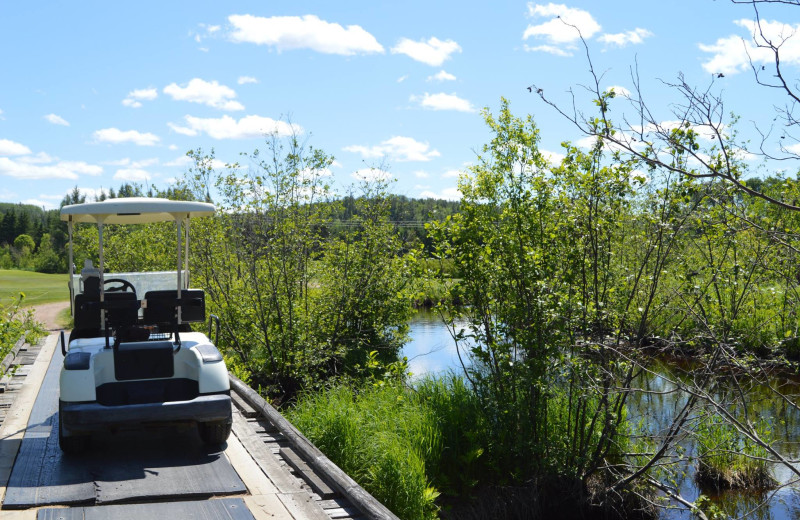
(34, 238)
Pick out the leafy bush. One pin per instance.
(14, 323)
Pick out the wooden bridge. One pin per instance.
(267, 470)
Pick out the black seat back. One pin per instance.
(143, 360)
(162, 307)
(122, 309)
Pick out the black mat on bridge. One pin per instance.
(143, 465)
(222, 509)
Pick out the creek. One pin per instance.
(431, 351)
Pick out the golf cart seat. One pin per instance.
(161, 307)
(122, 309)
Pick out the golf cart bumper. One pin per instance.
(93, 416)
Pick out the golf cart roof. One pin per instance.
(135, 210)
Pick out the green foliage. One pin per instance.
(384, 437)
(533, 249)
(14, 323)
(299, 304)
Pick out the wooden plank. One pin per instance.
(365, 502)
(244, 407)
(279, 476)
(319, 486)
(253, 477)
(267, 507)
(303, 506)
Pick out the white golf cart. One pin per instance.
(132, 358)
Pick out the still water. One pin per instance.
(431, 351)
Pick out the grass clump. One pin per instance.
(383, 437)
(727, 459)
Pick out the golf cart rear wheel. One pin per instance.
(214, 433)
(70, 443)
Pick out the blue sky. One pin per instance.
(94, 94)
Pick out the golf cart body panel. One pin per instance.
(132, 358)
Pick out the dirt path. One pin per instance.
(47, 313)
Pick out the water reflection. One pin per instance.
(431, 351)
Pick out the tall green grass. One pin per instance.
(383, 437)
(727, 459)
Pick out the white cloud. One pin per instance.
(142, 163)
(446, 194)
(226, 127)
(622, 39)
(442, 101)
(117, 136)
(1, 115)
(243, 80)
(136, 96)
(206, 93)
(371, 174)
(451, 174)
(434, 52)
(402, 78)
(550, 49)
(442, 75)
(619, 91)
(40, 203)
(398, 148)
(181, 161)
(132, 175)
(39, 158)
(62, 170)
(303, 32)
(730, 54)
(553, 158)
(81, 167)
(563, 29)
(421, 174)
(12, 148)
(173, 147)
(56, 120)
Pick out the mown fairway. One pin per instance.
(38, 287)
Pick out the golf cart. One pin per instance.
(132, 358)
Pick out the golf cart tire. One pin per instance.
(214, 433)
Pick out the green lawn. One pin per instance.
(38, 287)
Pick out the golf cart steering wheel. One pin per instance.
(124, 285)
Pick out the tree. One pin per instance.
(739, 216)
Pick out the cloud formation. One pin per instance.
(205, 93)
(8, 147)
(623, 39)
(442, 101)
(135, 97)
(56, 120)
(117, 136)
(303, 32)
(246, 79)
(17, 161)
(442, 75)
(226, 127)
(399, 148)
(433, 52)
(563, 29)
(733, 54)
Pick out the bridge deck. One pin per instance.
(157, 474)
